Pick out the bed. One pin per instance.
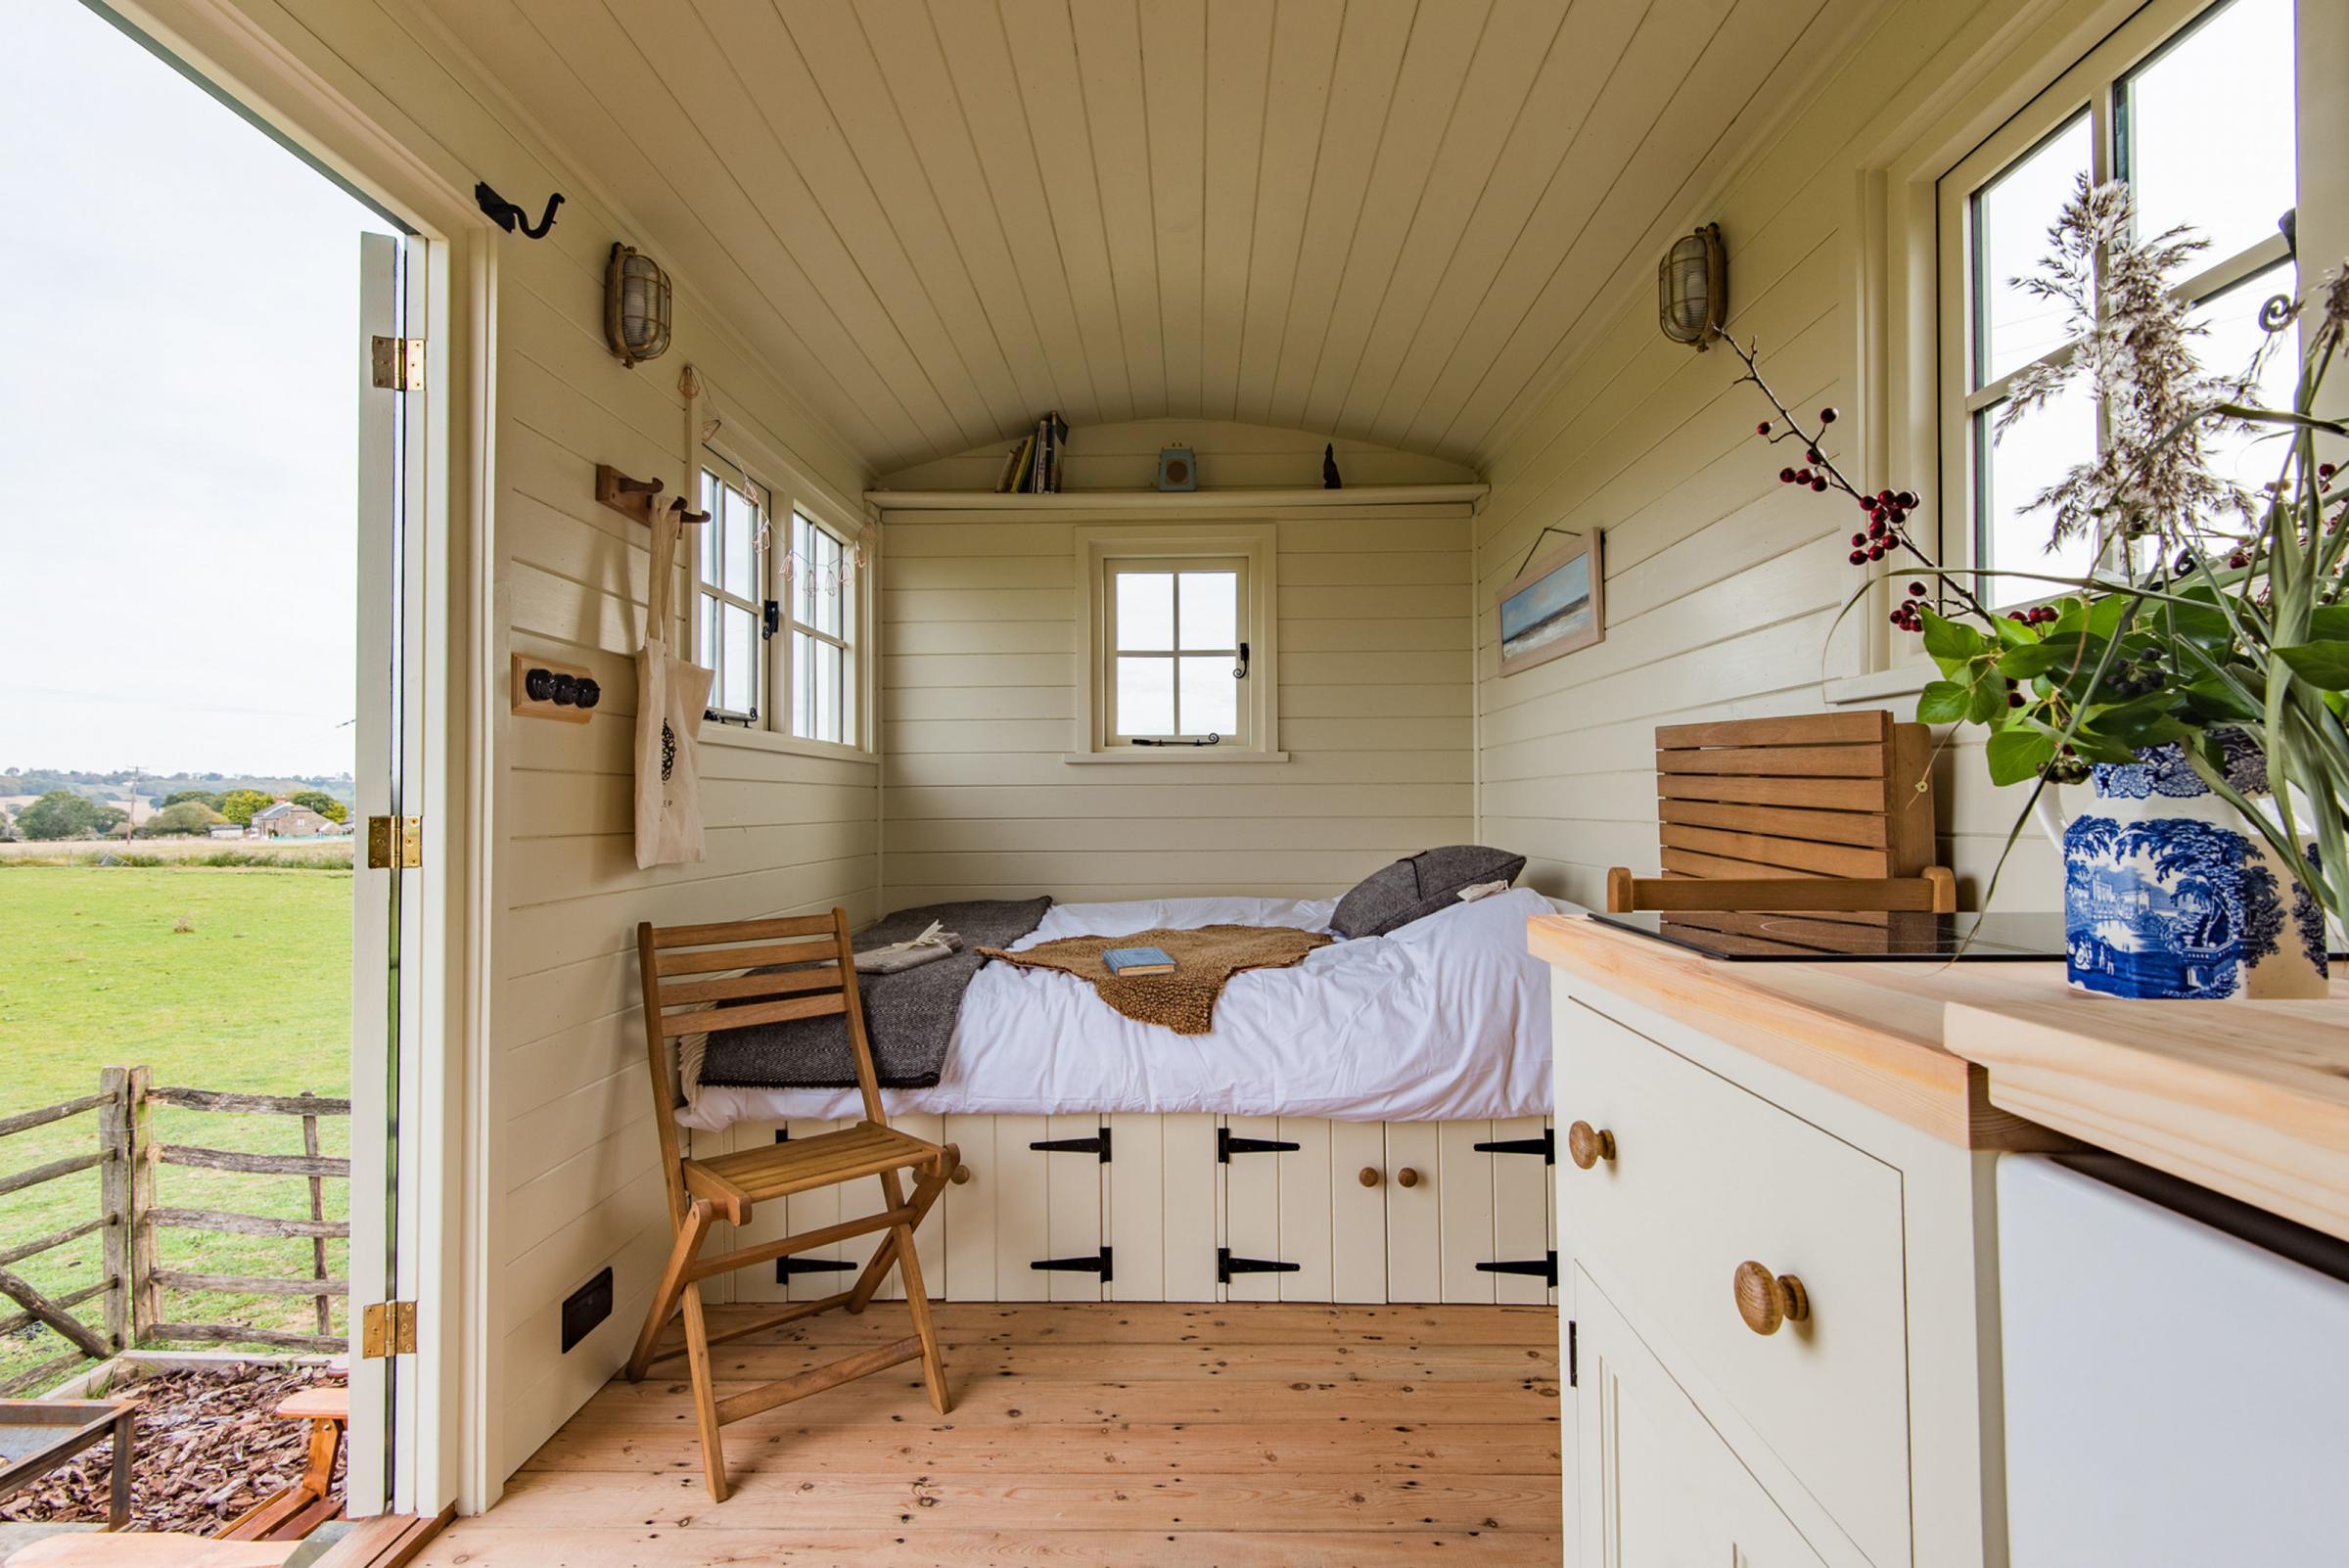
(1446, 1019)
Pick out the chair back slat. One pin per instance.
(742, 931)
(709, 960)
(702, 1020)
(735, 987)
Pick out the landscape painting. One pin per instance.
(1554, 606)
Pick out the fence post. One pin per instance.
(113, 1190)
(140, 1228)
(310, 1146)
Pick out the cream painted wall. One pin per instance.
(1723, 585)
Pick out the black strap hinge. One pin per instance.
(1574, 1357)
(1093, 1145)
(1077, 1266)
(785, 1268)
(1228, 1266)
(1546, 1146)
(1543, 1269)
(1227, 1146)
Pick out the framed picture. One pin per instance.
(1555, 606)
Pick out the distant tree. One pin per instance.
(323, 803)
(109, 819)
(181, 819)
(63, 814)
(209, 800)
(238, 806)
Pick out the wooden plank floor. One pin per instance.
(1242, 1436)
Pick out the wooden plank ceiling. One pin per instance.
(1384, 219)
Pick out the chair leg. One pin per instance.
(681, 1258)
(925, 1327)
(705, 1394)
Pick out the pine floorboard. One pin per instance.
(1240, 1435)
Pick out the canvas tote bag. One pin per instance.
(671, 692)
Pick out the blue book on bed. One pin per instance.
(1123, 961)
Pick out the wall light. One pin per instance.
(1692, 288)
(635, 306)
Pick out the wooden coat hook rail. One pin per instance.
(636, 498)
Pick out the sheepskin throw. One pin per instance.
(1204, 958)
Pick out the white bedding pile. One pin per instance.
(1446, 1019)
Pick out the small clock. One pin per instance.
(1177, 469)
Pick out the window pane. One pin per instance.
(2231, 342)
(1145, 696)
(2011, 216)
(802, 582)
(2230, 174)
(741, 524)
(1211, 697)
(741, 673)
(712, 650)
(1211, 608)
(1145, 609)
(2033, 454)
(827, 582)
(803, 684)
(827, 692)
(708, 554)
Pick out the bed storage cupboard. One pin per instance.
(1204, 1208)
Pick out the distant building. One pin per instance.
(228, 830)
(286, 820)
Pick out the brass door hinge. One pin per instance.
(399, 363)
(394, 843)
(388, 1328)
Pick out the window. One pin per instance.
(2140, 108)
(1180, 652)
(779, 609)
(729, 572)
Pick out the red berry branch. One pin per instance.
(1887, 511)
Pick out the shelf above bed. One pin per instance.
(1176, 500)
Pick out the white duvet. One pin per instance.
(1446, 1019)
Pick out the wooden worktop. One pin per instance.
(2248, 1098)
(1870, 1031)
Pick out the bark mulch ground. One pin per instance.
(207, 1449)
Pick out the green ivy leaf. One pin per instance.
(1943, 702)
(1986, 694)
(2016, 754)
(2038, 658)
(2015, 633)
(1949, 642)
(2323, 664)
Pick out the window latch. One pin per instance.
(1239, 671)
(770, 620)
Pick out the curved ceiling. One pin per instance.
(1381, 219)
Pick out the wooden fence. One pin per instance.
(127, 1156)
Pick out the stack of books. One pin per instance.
(1034, 467)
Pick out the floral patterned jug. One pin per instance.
(2166, 895)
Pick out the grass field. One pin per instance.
(253, 996)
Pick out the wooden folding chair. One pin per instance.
(747, 989)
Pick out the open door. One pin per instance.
(391, 857)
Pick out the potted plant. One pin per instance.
(2194, 682)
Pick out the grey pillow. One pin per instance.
(1418, 887)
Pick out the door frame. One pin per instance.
(309, 98)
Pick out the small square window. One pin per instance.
(1181, 642)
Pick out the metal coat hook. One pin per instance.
(509, 217)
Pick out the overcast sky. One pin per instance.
(178, 414)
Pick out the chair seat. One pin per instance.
(734, 1182)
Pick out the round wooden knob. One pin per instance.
(1586, 1145)
(961, 1175)
(1369, 1176)
(1406, 1177)
(1766, 1300)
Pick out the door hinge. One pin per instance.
(1079, 1265)
(1227, 1146)
(1228, 1266)
(1093, 1145)
(1546, 1146)
(399, 363)
(1574, 1357)
(388, 1328)
(1543, 1269)
(394, 843)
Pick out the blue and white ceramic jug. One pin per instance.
(2167, 893)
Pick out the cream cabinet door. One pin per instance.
(1657, 1488)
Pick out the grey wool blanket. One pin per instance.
(908, 1016)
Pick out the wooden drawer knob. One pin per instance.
(1766, 1300)
(961, 1175)
(1369, 1176)
(1406, 1177)
(1586, 1145)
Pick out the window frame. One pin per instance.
(2091, 86)
(706, 593)
(1114, 649)
(1100, 554)
(849, 640)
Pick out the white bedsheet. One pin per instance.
(1446, 1019)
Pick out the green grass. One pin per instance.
(254, 996)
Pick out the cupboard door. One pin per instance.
(1520, 1211)
(930, 1237)
(1357, 1213)
(1073, 1226)
(1465, 1201)
(1252, 1216)
(1414, 1231)
(969, 1208)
